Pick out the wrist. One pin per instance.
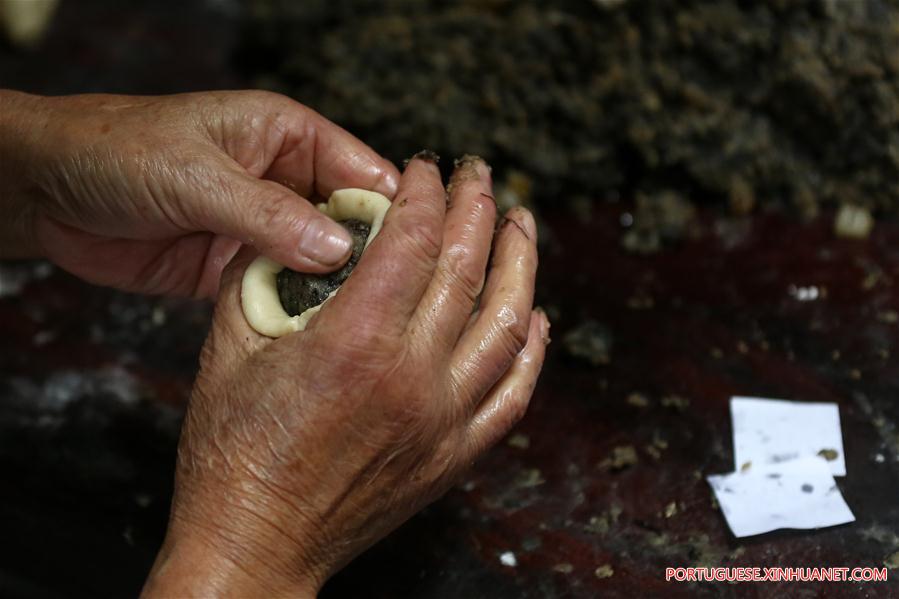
(23, 121)
(196, 562)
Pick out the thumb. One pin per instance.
(279, 224)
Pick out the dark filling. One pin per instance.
(300, 291)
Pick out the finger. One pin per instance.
(507, 402)
(219, 253)
(186, 265)
(335, 158)
(461, 268)
(500, 330)
(276, 221)
(394, 271)
(232, 338)
(308, 153)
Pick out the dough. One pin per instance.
(259, 290)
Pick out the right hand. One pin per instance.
(299, 453)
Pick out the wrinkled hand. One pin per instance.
(156, 194)
(299, 453)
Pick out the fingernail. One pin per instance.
(525, 220)
(424, 155)
(471, 167)
(325, 242)
(387, 184)
(544, 325)
(485, 172)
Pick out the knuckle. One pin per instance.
(409, 410)
(277, 214)
(422, 235)
(368, 334)
(403, 413)
(360, 349)
(513, 330)
(462, 273)
(261, 97)
(195, 180)
(466, 386)
(407, 420)
(518, 407)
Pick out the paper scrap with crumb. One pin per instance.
(801, 493)
(772, 431)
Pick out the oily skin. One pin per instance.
(157, 194)
(298, 453)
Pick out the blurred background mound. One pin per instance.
(741, 102)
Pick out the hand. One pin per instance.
(156, 194)
(298, 453)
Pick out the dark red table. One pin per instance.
(598, 490)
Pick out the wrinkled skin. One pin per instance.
(299, 453)
(156, 194)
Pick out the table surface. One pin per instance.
(93, 384)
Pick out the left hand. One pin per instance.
(156, 194)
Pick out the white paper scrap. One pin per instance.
(771, 431)
(800, 493)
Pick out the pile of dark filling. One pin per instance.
(743, 102)
(300, 291)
